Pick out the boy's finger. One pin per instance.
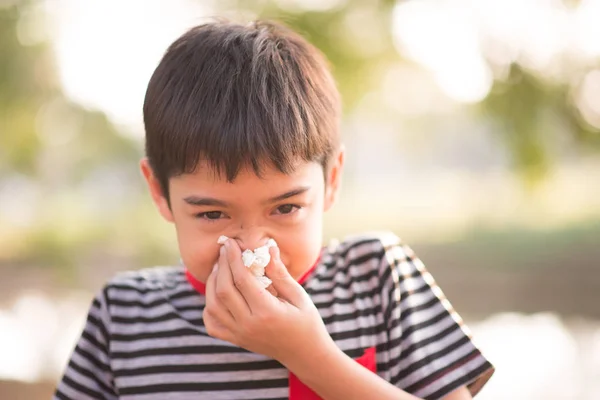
(242, 278)
(272, 290)
(286, 286)
(215, 329)
(213, 311)
(226, 291)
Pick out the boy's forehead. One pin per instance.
(267, 171)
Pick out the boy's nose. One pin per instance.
(251, 239)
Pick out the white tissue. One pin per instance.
(256, 260)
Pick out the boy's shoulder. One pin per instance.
(364, 255)
(360, 267)
(147, 279)
(363, 244)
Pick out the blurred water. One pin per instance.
(37, 335)
(539, 356)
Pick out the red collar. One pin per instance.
(197, 284)
(201, 286)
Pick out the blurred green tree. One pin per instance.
(533, 116)
(52, 144)
(37, 121)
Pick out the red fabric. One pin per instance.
(198, 285)
(299, 391)
(307, 274)
(201, 286)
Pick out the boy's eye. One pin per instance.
(287, 209)
(210, 215)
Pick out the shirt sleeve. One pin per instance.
(430, 350)
(88, 374)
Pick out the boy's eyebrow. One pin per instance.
(210, 201)
(287, 195)
(205, 201)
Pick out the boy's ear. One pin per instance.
(334, 179)
(156, 191)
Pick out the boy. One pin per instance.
(242, 140)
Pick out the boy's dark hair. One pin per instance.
(236, 95)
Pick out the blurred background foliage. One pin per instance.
(69, 183)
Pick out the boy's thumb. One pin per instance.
(286, 286)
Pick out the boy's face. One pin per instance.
(287, 208)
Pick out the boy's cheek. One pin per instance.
(299, 254)
(198, 254)
(200, 267)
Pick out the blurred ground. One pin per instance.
(15, 390)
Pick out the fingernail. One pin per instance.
(227, 243)
(222, 250)
(215, 267)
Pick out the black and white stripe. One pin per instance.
(145, 339)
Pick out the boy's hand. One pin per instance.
(286, 327)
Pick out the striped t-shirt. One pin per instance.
(144, 338)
